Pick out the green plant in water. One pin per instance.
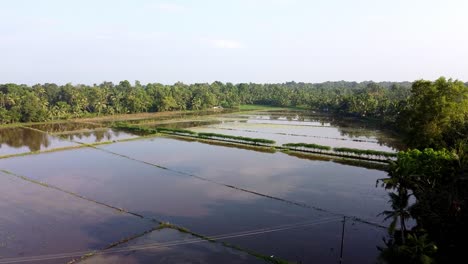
(237, 138)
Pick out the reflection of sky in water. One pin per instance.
(201, 252)
(202, 206)
(336, 187)
(212, 209)
(39, 220)
(145, 189)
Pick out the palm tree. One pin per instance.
(401, 174)
(400, 212)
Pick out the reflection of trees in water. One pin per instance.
(63, 127)
(21, 137)
(346, 127)
(99, 135)
(356, 129)
(188, 124)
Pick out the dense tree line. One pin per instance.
(42, 102)
(431, 114)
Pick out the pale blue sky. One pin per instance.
(90, 41)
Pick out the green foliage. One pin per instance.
(436, 114)
(418, 249)
(20, 103)
(175, 131)
(135, 129)
(147, 130)
(368, 152)
(438, 181)
(237, 138)
(305, 145)
(256, 107)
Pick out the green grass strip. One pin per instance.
(245, 139)
(366, 152)
(306, 145)
(147, 130)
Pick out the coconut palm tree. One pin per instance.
(400, 211)
(401, 174)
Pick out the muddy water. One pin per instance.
(21, 140)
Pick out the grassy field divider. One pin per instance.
(361, 154)
(255, 141)
(365, 152)
(307, 146)
(148, 130)
(185, 132)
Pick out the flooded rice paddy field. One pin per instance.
(299, 127)
(59, 206)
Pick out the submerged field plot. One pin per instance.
(171, 200)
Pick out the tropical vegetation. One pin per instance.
(427, 183)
